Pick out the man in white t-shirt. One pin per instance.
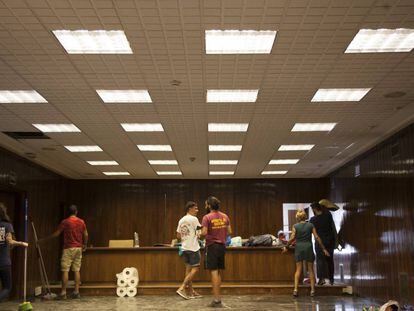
(188, 231)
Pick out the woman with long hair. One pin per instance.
(302, 232)
(6, 240)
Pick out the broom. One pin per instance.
(26, 305)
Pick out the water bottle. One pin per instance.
(136, 239)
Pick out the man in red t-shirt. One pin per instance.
(75, 239)
(216, 227)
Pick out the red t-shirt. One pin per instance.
(73, 228)
(216, 224)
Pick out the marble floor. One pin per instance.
(257, 302)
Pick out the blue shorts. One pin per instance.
(191, 258)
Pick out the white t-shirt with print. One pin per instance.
(187, 227)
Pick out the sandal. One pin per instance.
(312, 293)
(295, 293)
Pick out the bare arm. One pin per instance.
(318, 239)
(85, 238)
(203, 232)
(11, 242)
(229, 230)
(292, 237)
(52, 236)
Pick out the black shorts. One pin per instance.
(215, 254)
(191, 258)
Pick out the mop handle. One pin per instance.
(26, 207)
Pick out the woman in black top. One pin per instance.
(6, 240)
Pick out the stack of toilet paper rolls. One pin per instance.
(127, 282)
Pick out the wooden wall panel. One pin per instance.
(46, 193)
(379, 220)
(114, 209)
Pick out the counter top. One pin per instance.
(175, 249)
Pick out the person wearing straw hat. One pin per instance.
(6, 240)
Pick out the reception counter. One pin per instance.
(162, 264)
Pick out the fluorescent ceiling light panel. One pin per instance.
(382, 41)
(239, 41)
(339, 95)
(124, 96)
(116, 173)
(93, 41)
(223, 162)
(274, 172)
(154, 147)
(92, 148)
(163, 162)
(313, 127)
(224, 147)
(295, 147)
(221, 173)
(102, 162)
(20, 97)
(56, 128)
(283, 161)
(232, 96)
(170, 173)
(142, 127)
(228, 127)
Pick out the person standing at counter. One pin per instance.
(75, 239)
(325, 227)
(302, 232)
(188, 232)
(6, 240)
(216, 227)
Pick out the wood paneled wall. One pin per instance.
(379, 220)
(114, 209)
(46, 193)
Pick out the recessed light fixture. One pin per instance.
(103, 163)
(92, 148)
(169, 173)
(154, 147)
(232, 96)
(283, 161)
(239, 41)
(295, 147)
(221, 172)
(274, 172)
(93, 41)
(224, 147)
(56, 128)
(20, 97)
(116, 173)
(142, 127)
(124, 96)
(163, 162)
(382, 40)
(313, 127)
(223, 162)
(339, 95)
(228, 127)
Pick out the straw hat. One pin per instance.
(329, 205)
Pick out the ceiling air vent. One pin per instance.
(26, 135)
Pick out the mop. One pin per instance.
(26, 305)
(43, 275)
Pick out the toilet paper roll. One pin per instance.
(122, 282)
(130, 272)
(131, 291)
(132, 282)
(121, 291)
